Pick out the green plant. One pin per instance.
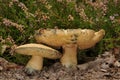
(20, 18)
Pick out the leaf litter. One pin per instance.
(105, 67)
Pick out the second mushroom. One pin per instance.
(38, 52)
(70, 40)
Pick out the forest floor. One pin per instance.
(104, 67)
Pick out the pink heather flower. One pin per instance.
(112, 18)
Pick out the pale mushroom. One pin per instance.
(69, 40)
(38, 52)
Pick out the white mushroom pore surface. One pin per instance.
(69, 40)
(38, 52)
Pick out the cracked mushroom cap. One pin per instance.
(38, 50)
(88, 38)
(84, 38)
(54, 37)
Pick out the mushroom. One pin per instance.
(69, 40)
(88, 38)
(38, 52)
(54, 37)
(69, 58)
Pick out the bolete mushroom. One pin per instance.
(38, 52)
(69, 40)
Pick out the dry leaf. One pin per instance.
(117, 64)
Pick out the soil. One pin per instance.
(104, 67)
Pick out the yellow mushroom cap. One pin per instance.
(88, 38)
(84, 38)
(53, 37)
(38, 50)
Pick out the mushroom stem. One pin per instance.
(69, 58)
(36, 62)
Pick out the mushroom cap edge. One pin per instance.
(38, 50)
